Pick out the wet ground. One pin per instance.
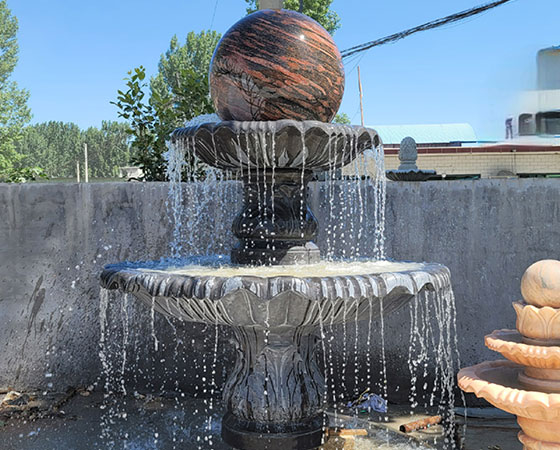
(81, 420)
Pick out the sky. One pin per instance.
(74, 55)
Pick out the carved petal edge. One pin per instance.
(274, 301)
(130, 278)
(508, 343)
(530, 404)
(537, 322)
(278, 144)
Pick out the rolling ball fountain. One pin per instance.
(527, 384)
(277, 79)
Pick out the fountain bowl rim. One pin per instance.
(129, 277)
(521, 402)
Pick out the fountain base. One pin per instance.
(534, 444)
(247, 435)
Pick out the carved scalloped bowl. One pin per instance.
(282, 144)
(271, 301)
(509, 343)
(537, 323)
(497, 383)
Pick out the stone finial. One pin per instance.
(271, 4)
(408, 154)
(540, 285)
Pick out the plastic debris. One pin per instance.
(369, 402)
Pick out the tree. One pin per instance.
(14, 113)
(56, 146)
(178, 93)
(342, 118)
(316, 9)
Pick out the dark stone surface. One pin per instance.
(277, 64)
(275, 225)
(275, 393)
(282, 144)
(410, 175)
(243, 435)
(276, 161)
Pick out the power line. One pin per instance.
(214, 14)
(426, 26)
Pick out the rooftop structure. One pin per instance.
(445, 134)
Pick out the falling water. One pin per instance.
(354, 218)
(176, 164)
(113, 370)
(433, 343)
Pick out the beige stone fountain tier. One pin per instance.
(527, 384)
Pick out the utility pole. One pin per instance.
(361, 95)
(86, 175)
(301, 6)
(78, 171)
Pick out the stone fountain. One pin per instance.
(277, 81)
(527, 384)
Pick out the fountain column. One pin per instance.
(274, 395)
(275, 225)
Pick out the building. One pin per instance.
(454, 151)
(538, 111)
(532, 140)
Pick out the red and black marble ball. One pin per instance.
(276, 64)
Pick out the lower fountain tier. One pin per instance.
(538, 413)
(209, 290)
(276, 391)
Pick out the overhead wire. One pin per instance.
(214, 14)
(453, 18)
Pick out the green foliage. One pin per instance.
(178, 93)
(316, 9)
(342, 118)
(143, 126)
(22, 175)
(14, 113)
(57, 146)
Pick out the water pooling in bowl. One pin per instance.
(321, 269)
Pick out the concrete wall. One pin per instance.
(55, 239)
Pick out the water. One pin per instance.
(219, 266)
(433, 347)
(176, 157)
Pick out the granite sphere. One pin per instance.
(540, 285)
(276, 64)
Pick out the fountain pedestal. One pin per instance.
(275, 225)
(275, 392)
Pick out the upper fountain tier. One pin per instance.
(275, 160)
(276, 79)
(282, 145)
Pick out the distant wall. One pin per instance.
(485, 164)
(55, 239)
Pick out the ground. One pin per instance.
(80, 420)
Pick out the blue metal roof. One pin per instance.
(427, 134)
